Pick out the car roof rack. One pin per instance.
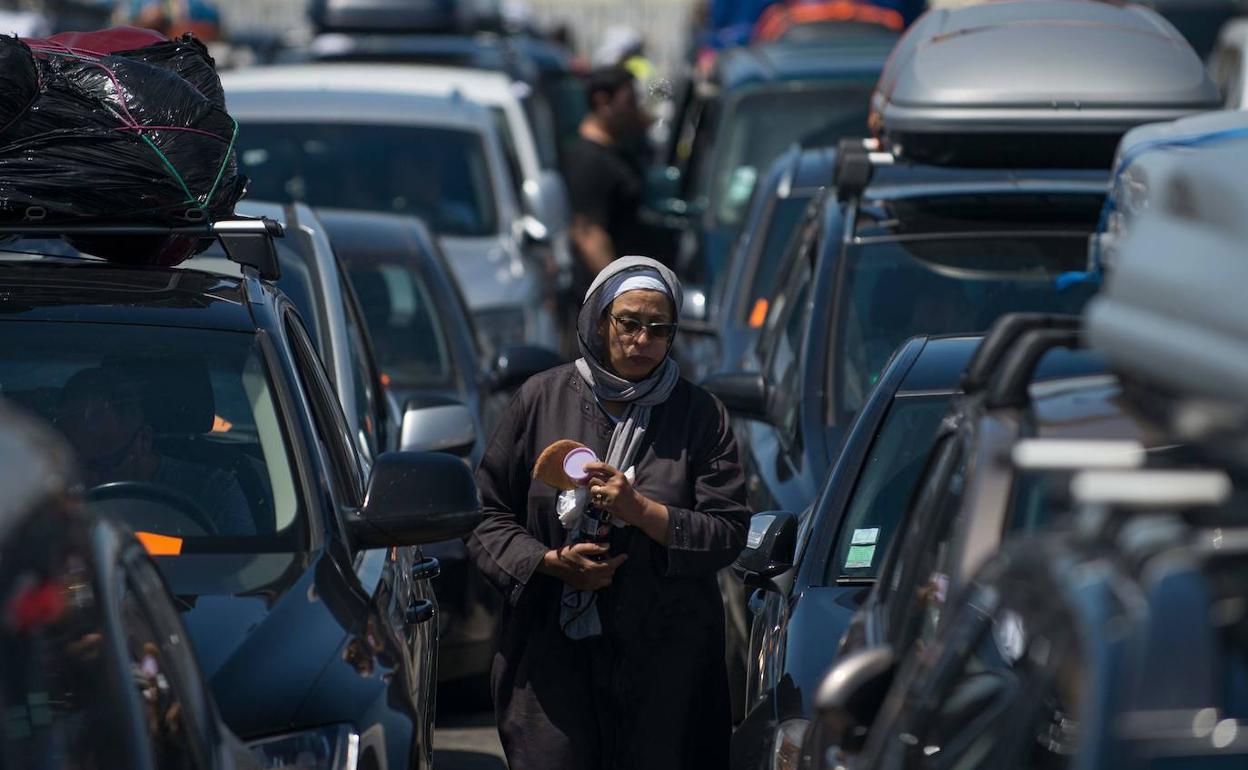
(1001, 338)
(856, 161)
(1009, 384)
(247, 241)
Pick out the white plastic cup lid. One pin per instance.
(576, 460)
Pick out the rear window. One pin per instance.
(439, 174)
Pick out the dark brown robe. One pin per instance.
(651, 693)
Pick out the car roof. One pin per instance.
(345, 93)
(416, 79)
(908, 180)
(939, 366)
(86, 290)
(787, 62)
(378, 237)
(803, 171)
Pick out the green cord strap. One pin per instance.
(189, 197)
(225, 161)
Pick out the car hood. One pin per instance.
(490, 273)
(243, 611)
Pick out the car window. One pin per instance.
(331, 425)
(783, 366)
(761, 125)
(439, 174)
(885, 486)
(163, 672)
(511, 156)
(176, 430)
(404, 323)
(369, 406)
(695, 146)
(893, 289)
(778, 234)
(1006, 691)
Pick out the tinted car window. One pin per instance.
(886, 485)
(786, 348)
(761, 285)
(368, 410)
(403, 321)
(510, 154)
(439, 174)
(761, 125)
(175, 429)
(893, 289)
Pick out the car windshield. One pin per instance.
(403, 321)
(882, 495)
(764, 124)
(438, 174)
(175, 429)
(761, 286)
(893, 289)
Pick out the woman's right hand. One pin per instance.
(583, 565)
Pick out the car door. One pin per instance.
(398, 580)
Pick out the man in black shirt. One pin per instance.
(604, 178)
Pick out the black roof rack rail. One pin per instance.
(856, 160)
(1001, 338)
(247, 241)
(1009, 385)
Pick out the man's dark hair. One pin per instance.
(606, 80)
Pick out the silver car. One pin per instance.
(368, 145)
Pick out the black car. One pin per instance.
(922, 250)
(738, 307)
(816, 583)
(98, 668)
(431, 364)
(1112, 645)
(759, 100)
(202, 415)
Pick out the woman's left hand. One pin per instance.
(610, 490)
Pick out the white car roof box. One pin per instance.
(1034, 83)
(1172, 313)
(1148, 154)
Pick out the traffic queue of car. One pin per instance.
(989, 414)
(968, 292)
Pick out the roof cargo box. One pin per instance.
(1040, 83)
(404, 16)
(1147, 155)
(1172, 312)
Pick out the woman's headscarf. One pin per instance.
(578, 614)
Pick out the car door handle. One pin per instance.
(420, 611)
(427, 568)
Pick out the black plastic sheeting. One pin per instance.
(89, 135)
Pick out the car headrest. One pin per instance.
(175, 391)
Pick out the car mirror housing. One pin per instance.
(770, 548)
(446, 426)
(695, 307)
(850, 696)
(517, 363)
(744, 394)
(546, 199)
(414, 498)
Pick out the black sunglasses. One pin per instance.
(631, 327)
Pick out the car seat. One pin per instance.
(179, 404)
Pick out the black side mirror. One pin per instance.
(770, 549)
(415, 498)
(517, 363)
(849, 699)
(744, 393)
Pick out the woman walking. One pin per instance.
(611, 652)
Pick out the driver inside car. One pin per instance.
(101, 414)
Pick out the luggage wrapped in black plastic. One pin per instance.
(121, 126)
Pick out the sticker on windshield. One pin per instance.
(866, 536)
(860, 556)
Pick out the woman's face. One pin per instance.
(635, 356)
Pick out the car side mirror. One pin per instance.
(745, 394)
(546, 200)
(517, 363)
(414, 498)
(850, 696)
(531, 229)
(770, 549)
(695, 309)
(441, 426)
